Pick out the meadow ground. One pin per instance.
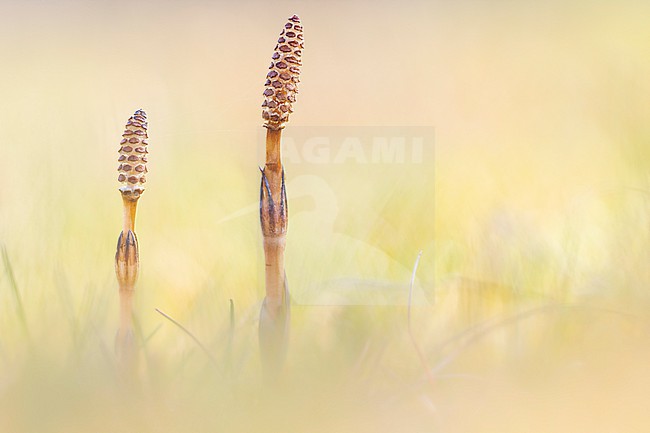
(529, 201)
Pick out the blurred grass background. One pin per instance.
(540, 201)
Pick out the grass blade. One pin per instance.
(14, 286)
(186, 331)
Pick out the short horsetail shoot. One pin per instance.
(132, 176)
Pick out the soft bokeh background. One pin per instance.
(535, 231)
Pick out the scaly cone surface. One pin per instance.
(284, 76)
(133, 156)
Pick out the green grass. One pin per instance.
(535, 206)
